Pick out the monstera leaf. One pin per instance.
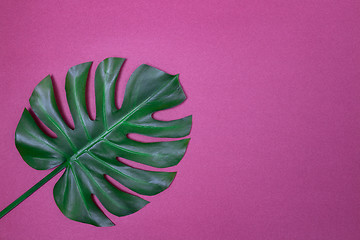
(89, 151)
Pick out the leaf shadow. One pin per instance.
(41, 125)
(66, 117)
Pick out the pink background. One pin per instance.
(274, 90)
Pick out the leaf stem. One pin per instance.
(32, 190)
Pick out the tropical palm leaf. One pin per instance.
(88, 152)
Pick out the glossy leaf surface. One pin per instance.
(90, 150)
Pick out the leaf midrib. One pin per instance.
(108, 131)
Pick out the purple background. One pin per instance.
(274, 90)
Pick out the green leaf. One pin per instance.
(89, 150)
